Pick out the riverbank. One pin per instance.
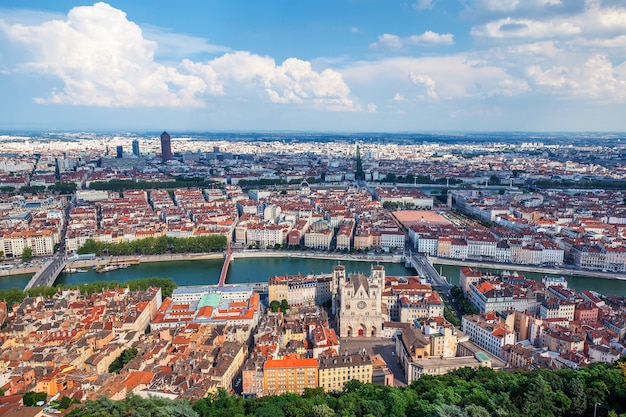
(530, 268)
(357, 257)
(173, 257)
(19, 271)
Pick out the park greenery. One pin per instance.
(583, 184)
(156, 246)
(466, 392)
(16, 295)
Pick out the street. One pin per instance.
(381, 346)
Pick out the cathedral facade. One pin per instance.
(357, 302)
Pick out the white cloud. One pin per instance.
(421, 5)
(294, 81)
(179, 45)
(588, 22)
(428, 38)
(526, 28)
(444, 79)
(553, 77)
(387, 41)
(427, 82)
(103, 59)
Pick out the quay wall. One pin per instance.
(555, 270)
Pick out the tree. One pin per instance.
(494, 180)
(27, 254)
(322, 410)
(31, 398)
(275, 306)
(126, 356)
(284, 306)
(63, 403)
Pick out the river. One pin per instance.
(579, 283)
(249, 270)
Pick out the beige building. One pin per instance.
(319, 235)
(335, 371)
(344, 235)
(436, 350)
(41, 242)
(359, 305)
(229, 362)
(562, 341)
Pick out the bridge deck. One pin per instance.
(227, 259)
(48, 273)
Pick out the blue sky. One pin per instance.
(327, 65)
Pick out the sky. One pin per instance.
(324, 65)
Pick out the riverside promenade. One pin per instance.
(553, 270)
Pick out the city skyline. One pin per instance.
(425, 65)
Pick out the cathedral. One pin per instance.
(357, 302)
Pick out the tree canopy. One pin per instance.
(156, 246)
(16, 295)
(465, 392)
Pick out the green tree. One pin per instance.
(322, 410)
(31, 398)
(275, 306)
(284, 306)
(27, 254)
(126, 356)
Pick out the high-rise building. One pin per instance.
(136, 148)
(166, 147)
(120, 152)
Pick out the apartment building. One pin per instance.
(289, 375)
(335, 371)
(488, 331)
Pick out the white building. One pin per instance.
(488, 332)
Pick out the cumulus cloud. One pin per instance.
(425, 81)
(591, 21)
(428, 38)
(439, 80)
(103, 59)
(293, 81)
(579, 54)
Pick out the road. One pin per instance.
(375, 345)
(423, 266)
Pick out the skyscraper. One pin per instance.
(136, 148)
(166, 147)
(120, 152)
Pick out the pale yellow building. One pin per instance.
(335, 371)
